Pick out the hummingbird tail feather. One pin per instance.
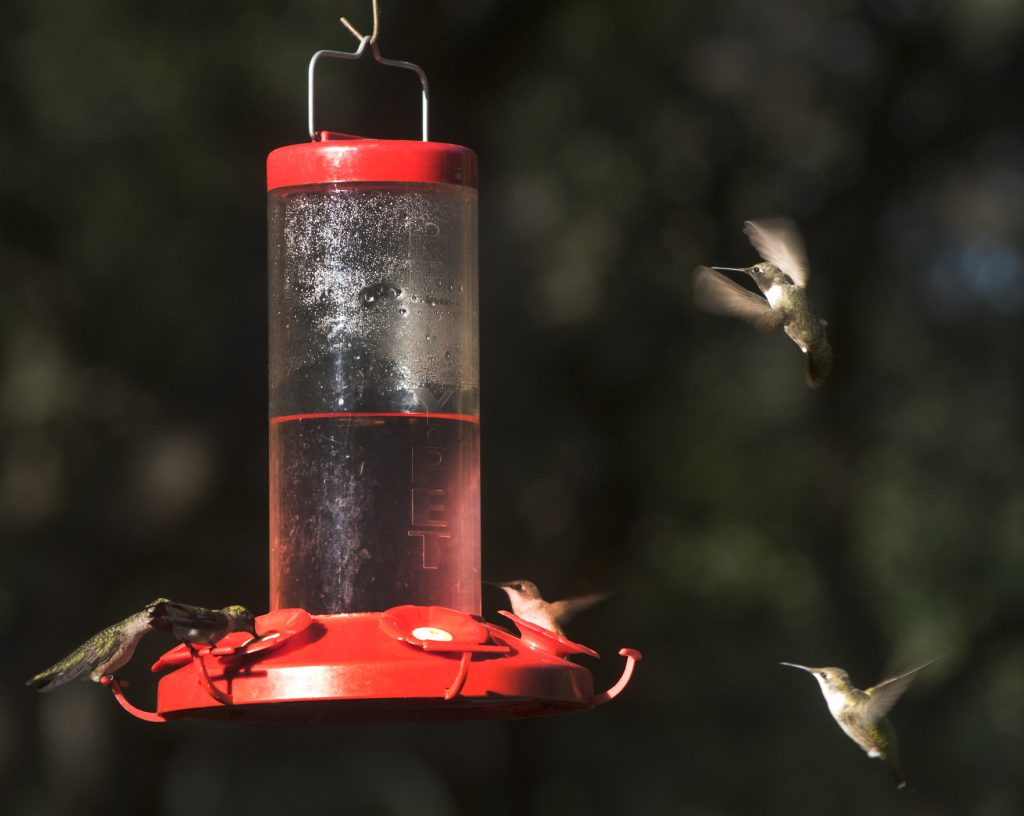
(892, 762)
(54, 678)
(42, 681)
(817, 365)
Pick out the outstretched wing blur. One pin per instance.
(885, 694)
(716, 293)
(778, 241)
(566, 609)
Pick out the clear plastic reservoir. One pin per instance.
(374, 397)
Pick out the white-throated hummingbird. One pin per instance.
(528, 604)
(782, 279)
(861, 714)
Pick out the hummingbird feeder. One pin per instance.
(374, 459)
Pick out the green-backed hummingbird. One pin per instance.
(102, 654)
(197, 624)
(861, 714)
(528, 604)
(782, 278)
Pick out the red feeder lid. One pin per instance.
(340, 157)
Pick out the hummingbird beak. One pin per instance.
(731, 269)
(798, 666)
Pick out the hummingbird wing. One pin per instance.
(778, 241)
(716, 293)
(187, 622)
(566, 609)
(885, 694)
(96, 651)
(60, 673)
(172, 612)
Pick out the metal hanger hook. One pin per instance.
(365, 41)
(376, 24)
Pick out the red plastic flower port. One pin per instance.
(437, 629)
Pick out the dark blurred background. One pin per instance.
(630, 443)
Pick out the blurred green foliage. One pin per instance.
(629, 443)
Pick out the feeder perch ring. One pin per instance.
(632, 658)
(116, 687)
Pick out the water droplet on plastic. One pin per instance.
(369, 295)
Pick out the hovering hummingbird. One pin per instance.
(196, 624)
(528, 604)
(102, 654)
(861, 714)
(782, 279)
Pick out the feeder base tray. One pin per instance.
(407, 663)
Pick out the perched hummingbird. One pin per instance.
(782, 279)
(861, 714)
(530, 606)
(102, 654)
(196, 624)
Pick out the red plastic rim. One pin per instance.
(547, 641)
(370, 665)
(338, 157)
